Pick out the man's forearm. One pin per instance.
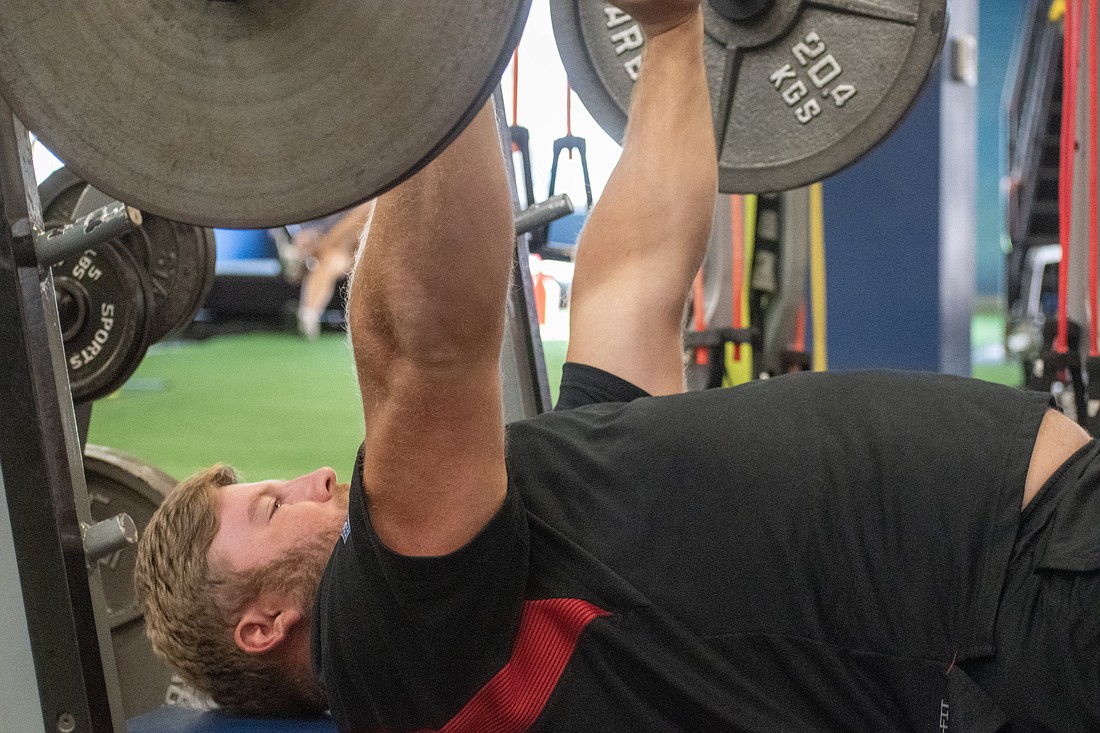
(665, 182)
(646, 238)
(431, 281)
(426, 316)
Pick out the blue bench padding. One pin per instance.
(181, 720)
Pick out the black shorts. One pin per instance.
(1045, 672)
(585, 385)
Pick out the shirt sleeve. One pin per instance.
(402, 643)
(587, 385)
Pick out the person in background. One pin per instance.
(327, 246)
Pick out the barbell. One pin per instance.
(260, 113)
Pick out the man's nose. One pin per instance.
(316, 485)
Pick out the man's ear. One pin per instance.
(265, 625)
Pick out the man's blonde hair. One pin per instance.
(190, 606)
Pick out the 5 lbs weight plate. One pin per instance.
(178, 259)
(119, 483)
(104, 304)
(800, 88)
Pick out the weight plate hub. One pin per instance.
(121, 484)
(251, 114)
(103, 303)
(800, 88)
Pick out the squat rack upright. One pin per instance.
(54, 648)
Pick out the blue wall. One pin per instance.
(882, 253)
(902, 273)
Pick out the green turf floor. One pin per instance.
(987, 329)
(273, 405)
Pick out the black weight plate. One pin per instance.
(181, 267)
(121, 484)
(251, 114)
(799, 92)
(178, 261)
(104, 305)
(60, 193)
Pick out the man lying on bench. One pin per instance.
(826, 552)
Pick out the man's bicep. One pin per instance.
(434, 471)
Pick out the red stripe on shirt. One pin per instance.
(512, 701)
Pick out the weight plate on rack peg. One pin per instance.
(104, 306)
(178, 260)
(800, 88)
(121, 484)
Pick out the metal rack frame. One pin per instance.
(44, 499)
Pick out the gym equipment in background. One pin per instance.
(120, 483)
(120, 297)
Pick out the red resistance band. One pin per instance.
(1094, 179)
(737, 221)
(799, 342)
(1071, 48)
(699, 317)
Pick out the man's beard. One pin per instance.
(300, 570)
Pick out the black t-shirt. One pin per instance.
(813, 552)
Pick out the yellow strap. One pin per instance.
(740, 371)
(817, 277)
(1057, 11)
